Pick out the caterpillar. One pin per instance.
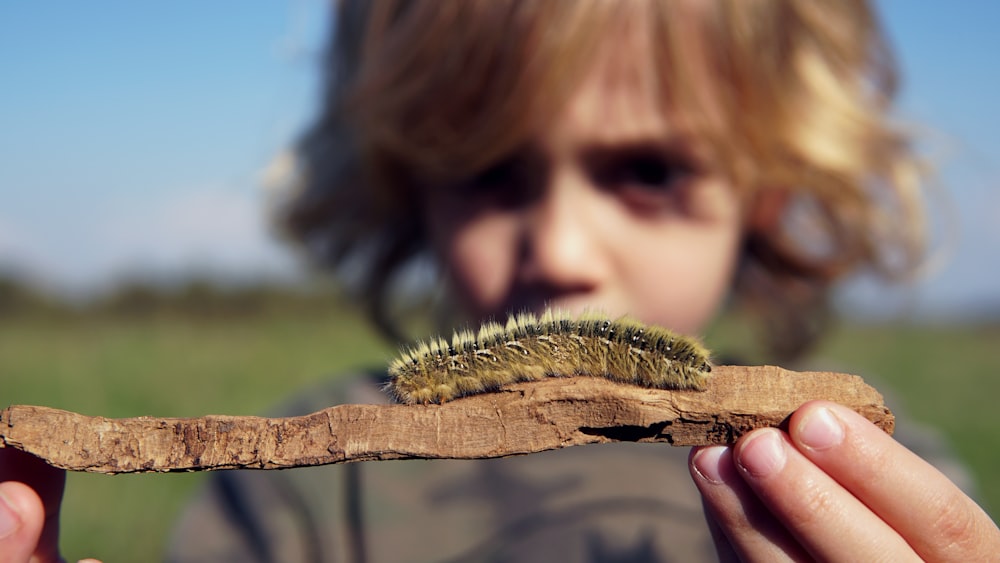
(528, 348)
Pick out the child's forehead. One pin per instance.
(617, 100)
(627, 91)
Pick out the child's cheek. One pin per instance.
(680, 278)
(479, 257)
(685, 302)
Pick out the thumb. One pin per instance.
(22, 518)
(30, 493)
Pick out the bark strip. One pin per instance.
(520, 419)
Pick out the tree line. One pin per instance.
(195, 296)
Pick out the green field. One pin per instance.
(175, 366)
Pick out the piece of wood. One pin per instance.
(520, 419)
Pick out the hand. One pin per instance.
(30, 493)
(835, 488)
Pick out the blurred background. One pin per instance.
(139, 274)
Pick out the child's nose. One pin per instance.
(560, 241)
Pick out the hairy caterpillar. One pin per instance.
(529, 348)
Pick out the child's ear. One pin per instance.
(766, 209)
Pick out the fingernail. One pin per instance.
(821, 429)
(9, 519)
(763, 453)
(708, 462)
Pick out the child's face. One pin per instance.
(609, 209)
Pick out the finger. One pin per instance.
(826, 519)
(21, 520)
(742, 524)
(700, 463)
(918, 501)
(33, 489)
(723, 548)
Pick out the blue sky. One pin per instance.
(133, 135)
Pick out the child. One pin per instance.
(658, 159)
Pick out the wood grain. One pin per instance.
(520, 419)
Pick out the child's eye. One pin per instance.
(505, 185)
(496, 177)
(651, 172)
(648, 180)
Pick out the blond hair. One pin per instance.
(792, 96)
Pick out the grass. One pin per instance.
(176, 366)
